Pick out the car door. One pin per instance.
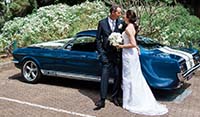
(80, 57)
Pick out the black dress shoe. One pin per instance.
(116, 102)
(100, 104)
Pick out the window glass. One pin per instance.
(85, 43)
(85, 39)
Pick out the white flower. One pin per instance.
(115, 38)
(166, 42)
(120, 26)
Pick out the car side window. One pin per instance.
(84, 43)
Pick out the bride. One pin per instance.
(137, 96)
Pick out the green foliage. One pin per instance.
(164, 1)
(172, 26)
(169, 25)
(16, 8)
(2, 11)
(52, 22)
(22, 7)
(72, 2)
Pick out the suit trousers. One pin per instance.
(106, 71)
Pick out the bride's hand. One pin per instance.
(138, 49)
(118, 46)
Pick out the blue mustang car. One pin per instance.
(77, 58)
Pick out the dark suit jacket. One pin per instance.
(106, 51)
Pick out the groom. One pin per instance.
(109, 56)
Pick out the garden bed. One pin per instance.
(5, 58)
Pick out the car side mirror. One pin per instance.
(69, 46)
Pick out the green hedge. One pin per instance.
(169, 25)
(17, 8)
(52, 22)
(173, 26)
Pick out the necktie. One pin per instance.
(113, 25)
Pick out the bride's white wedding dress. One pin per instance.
(137, 96)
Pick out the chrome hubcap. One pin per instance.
(30, 71)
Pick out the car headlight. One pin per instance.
(180, 77)
(196, 59)
(183, 67)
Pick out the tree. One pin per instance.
(165, 20)
(141, 7)
(193, 5)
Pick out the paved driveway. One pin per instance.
(64, 97)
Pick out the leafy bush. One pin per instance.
(52, 22)
(16, 8)
(172, 26)
(20, 8)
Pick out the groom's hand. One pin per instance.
(103, 58)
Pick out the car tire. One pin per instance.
(30, 71)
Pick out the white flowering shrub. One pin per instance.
(52, 22)
(172, 26)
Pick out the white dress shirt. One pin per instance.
(112, 23)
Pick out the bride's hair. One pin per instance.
(132, 18)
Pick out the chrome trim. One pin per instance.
(15, 61)
(180, 84)
(187, 74)
(180, 77)
(191, 71)
(73, 76)
(30, 71)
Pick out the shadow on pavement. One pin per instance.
(171, 95)
(16, 77)
(87, 88)
(92, 89)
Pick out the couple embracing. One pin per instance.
(137, 96)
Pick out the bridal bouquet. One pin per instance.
(115, 39)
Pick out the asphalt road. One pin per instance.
(70, 98)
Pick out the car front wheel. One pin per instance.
(31, 72)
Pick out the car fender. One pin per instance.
(31, 58)
(152, 75)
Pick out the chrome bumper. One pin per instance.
(15, 61)
(188, 74)
(190, 71)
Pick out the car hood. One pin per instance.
(52, 44)
(151, 44)
(186, 55)
(181, 52)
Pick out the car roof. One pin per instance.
(87, 33)
(140, 39)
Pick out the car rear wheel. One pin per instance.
(31, 72)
